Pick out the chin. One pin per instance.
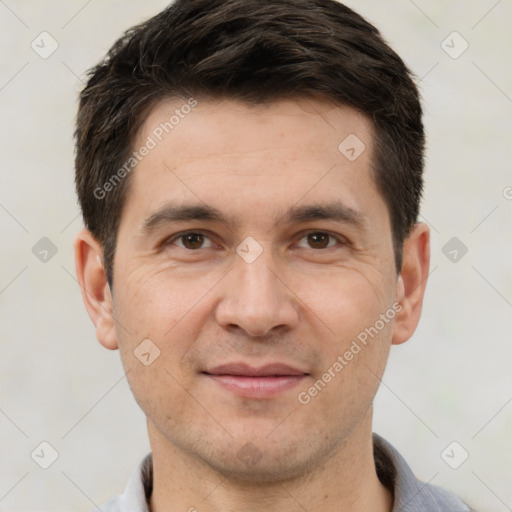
(259, 460)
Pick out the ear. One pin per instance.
(412, 282)
(95, 289)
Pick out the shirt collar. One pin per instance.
(410, 494)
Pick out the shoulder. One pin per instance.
(137, 492)
(410, 494)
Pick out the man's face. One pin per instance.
(298, 292)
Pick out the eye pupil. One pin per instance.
(318, 240)
(193, 240)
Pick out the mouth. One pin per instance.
(248, 382)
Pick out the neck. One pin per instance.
(346, 481)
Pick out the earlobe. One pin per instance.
(412, 282)
(94, 287)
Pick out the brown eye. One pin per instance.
(318, 240)
(191, 241)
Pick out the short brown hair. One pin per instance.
(254, 52)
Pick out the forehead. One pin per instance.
(238, 157)
(208, 128)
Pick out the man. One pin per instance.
(250, 176)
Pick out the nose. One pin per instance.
(256, 298)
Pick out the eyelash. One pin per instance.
(169, 241)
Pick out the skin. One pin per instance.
(299, 302)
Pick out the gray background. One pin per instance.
(450, 382)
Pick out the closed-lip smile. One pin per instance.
(265, 381)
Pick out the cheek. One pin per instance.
(352, 365)
(160, 391)
(143, 315)
(347, 300)
(354, 352)
(156, 328)
(156, 304)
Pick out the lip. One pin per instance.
(265, 381)
(245, 370)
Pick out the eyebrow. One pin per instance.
(335, 211)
